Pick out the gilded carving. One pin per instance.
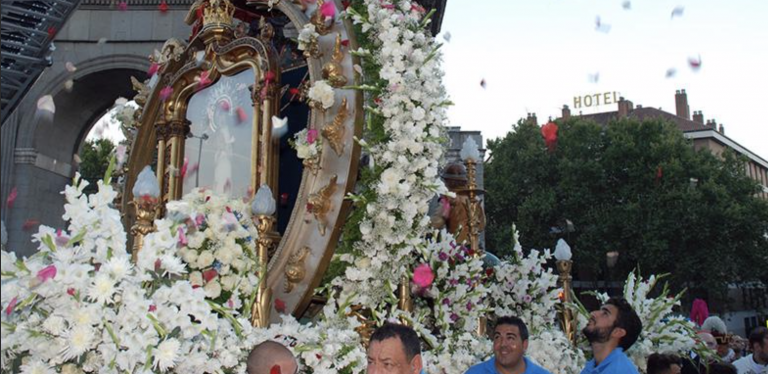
(318, 20)
(334, 131)
(332, 70)
(319, 204)
(294, 269)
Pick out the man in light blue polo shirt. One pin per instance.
(510, 341)
(611, 330)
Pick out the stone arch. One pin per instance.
(43, 152)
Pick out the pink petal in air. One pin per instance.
(48, 272)
(11, 198)
(166, 92)
(328, 10)
(241, 115)
(153, 69)
(11, 306)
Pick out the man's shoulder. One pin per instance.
(484, 367)
(534, 368)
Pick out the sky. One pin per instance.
(537, 55)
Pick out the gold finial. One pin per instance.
(334, 131)
(333, 72)
(218, 13)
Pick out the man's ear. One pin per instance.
(618, 333)
(416, 364)
(525, 345)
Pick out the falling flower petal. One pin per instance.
(417, 8)
(446, 207)
(123, 5)
(166, 92)
(482, 83)
(102, 41)
(46, 104)
(120, 153)
(11, 198)
(120, 101)
(48, 272)
(671, 72)
(184, 167)
(70, 67)
(626, 5)
(279, 305)
(51, 32)
(345, 42)
(270, 76)
(677, 12)
(279, 127)
(600, 26)
(153, 69)
(69, 84)
(447, 36)
(241, 115)
(594, 78)
(203, 80)
(549, 132)
(358, 69)
(11, 306)
(30, 224)
(77, 159)
(695, 63)
(182, 237)
(163, 7)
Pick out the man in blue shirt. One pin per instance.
(510, 341)
(611, 330)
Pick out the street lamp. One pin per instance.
(611, 258)
(263, 209)
(564, 264)
(146, 197)
(470, 154)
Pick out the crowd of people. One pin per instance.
(611, 331)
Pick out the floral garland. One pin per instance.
(404, 142)
(79, 305)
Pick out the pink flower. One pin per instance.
(153, 69)
(203, 80)
(423, 276)
(48, 272)
(328, 10)
(182, 238)
(311, 136)
(166, 92)
(11, 306)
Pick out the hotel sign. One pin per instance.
(588, 101)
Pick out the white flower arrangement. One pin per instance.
(79, 306)
(307, 36)
(321, 94)
(552, 350)
(216, 239)
(308, 144)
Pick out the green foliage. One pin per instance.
(95, 159)
(637, 188)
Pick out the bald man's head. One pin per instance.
(268, 354)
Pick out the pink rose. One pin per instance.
(423, 276)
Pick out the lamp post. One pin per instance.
(470, 154)
(146, 196)
(263, 209)
(564, 265)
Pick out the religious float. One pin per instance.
(278, 184)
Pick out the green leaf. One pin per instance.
(110, 169)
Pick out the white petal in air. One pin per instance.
(279, 127)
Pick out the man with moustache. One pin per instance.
(510, 341)
(612, 330)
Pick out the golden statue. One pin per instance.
(333, 72)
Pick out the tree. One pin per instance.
(94, 160)
(636, 188)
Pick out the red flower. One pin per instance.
(210, 274)
(279, 306)
(549, 132)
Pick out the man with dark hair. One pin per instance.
(510, 341)
(394, 349)
(659, 363)
(267, 355)
(757, 362)
(611, 330)
(721, 368)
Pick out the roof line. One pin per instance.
(710, 133)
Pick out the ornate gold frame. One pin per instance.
(163, 127)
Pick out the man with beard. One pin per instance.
(510, 341)
(757, 362)
(611, 330)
